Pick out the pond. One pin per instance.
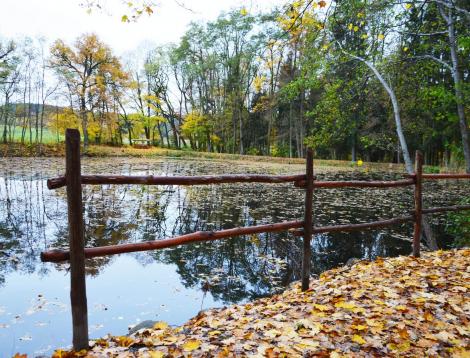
(175, 284)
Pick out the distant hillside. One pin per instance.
(33, 108)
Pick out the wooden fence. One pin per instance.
(73, 181)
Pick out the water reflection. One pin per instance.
(33, 219)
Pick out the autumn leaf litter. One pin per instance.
(399, 306)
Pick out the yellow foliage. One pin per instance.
(59, 122)
(258, 82)
(358, 339)
(160, 325)
(191, 345)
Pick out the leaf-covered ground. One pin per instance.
(390, 307)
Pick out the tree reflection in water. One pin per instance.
(33, 219)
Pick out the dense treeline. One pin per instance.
(368, 79)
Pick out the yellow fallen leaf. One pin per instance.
(359, 327)
(346, 305)
(428, 316)
(124, 341)
(160, 325)
(156, 354)
(358, 339)
(320, 307)
(191, 345)
(402, 347)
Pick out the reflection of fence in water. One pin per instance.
(77, 254)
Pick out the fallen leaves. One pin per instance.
(191, 345)
(391, 307)
(160, 325)
(358, 339)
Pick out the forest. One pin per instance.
(369, 80)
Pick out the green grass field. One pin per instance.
(48, 137)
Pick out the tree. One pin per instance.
(60, 121)
(87, 68)
(452, 15)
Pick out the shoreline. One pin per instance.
(390, 306)
(103, 151)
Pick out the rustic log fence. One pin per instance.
(73, 181)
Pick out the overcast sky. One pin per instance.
(65, 19)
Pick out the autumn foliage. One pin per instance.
(400, 306)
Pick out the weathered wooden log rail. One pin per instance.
(59, 182)
(73, 181)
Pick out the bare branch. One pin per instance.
(434, 58)
(451, 5)
(422, 34)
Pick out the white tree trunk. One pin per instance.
(450, 18)
(396, 113)
(430, 239)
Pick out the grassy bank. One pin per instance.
(396, 307)
(58, 150)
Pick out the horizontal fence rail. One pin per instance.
(357, 227)
(357, 184)
(59, 182)
(441, 176)
(199, 236)
(442, 209)
(73, 181)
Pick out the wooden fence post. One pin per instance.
(76, 240)
(418, 214)
(308, 222)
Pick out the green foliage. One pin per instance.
(269, 83)
(253, 151)
(431, 169)
(458, 226)
(279, 150)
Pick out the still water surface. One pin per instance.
(168, 285)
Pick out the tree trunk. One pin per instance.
(430, 239)
(84, 118)
(457, 86)
(396, 113)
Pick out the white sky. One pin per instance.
(65, 19)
